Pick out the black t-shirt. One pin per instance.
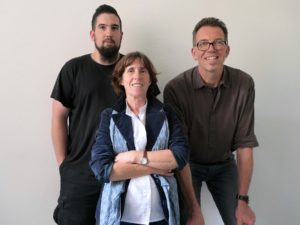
(84, 87)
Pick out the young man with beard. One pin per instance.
(82, 90)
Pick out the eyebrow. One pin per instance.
(112, 25)
(139, 67)
(217, 39)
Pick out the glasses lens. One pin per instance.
(203, 45)
(217, 44)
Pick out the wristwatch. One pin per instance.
(244, 198)
(144, 160)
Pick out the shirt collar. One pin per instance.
(142, 111)
(199, 83)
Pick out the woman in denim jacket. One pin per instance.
(139, 144)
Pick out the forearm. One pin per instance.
(162, 159)
(59, 140)
(185, 182)
(245, 169)
(124, 171)
(59, 130)
(243, 213)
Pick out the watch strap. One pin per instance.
(244, 198)
(144, 159)
(145, 154)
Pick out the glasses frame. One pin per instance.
(213, 43)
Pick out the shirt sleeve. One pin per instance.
(172, 100)
(244, 135)
(63, 89)
(102, 155)
(177, 141)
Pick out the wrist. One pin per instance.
(144, 158)
(138, 156)
(194, 207)
(242, 198)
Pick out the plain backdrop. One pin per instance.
(38, 37)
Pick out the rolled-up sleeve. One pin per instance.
(244, 135)
(177, 141)
(102, 154)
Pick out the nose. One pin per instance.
(211, 44)
(136, 74)
(108, 32)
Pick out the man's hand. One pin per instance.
(244, 214)
(196, 217)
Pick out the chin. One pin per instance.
(139, 95)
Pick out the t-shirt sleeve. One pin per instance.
(63, 89)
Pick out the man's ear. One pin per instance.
(92, 35)
(121, 37)
(194, 53)
(227, 51)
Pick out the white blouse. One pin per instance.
(142, 202)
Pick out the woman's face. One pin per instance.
(136, 80)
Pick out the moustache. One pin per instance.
(109, 40)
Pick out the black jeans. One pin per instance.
(77, 203)
(221, 181)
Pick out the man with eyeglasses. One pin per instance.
(216, 105)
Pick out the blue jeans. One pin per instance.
(221, 181)
(162, 222)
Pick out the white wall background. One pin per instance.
(38, 37)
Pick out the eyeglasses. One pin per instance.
(217, 44)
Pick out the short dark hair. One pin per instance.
(211, 22)
(126, 61)
(105, 9)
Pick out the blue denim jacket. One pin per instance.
(115, 134)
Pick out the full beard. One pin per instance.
(108, 54)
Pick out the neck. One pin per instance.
(136, 103)
(98, 58)
(211, 79)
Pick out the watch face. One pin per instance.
(144, 161)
